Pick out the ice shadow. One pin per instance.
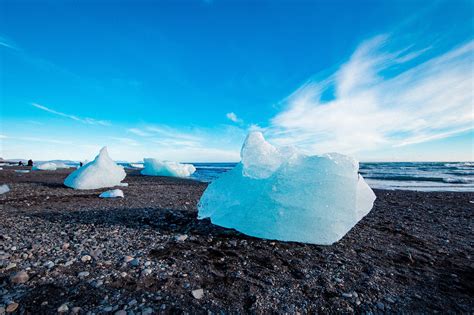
(170, 221)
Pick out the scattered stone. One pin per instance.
(68, 263)
(73, 224)
(86, 258)
(63, 308)
(49, 264)
(134, 262)
(20, 277)
(198, 294)
(11, 266)
(128, 259)
(380, 306)
(12, 307)
(181, 238)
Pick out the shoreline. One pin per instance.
(412, 253)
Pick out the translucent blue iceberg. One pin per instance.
(278, 193)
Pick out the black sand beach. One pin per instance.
(412, 253)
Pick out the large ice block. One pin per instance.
(285, 195)
(154, 167)
(101, 173)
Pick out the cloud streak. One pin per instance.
(139, 132)
(89, 121)
(36, 140)
(168, 137)
(233, 117)
(126, 141)
(7, 44)
(380, 98)
(196, 144)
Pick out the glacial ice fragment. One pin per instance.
(101, 173)
(154, 167)
(114, 193)
(285, 195)
(4, 189)
(46, 166)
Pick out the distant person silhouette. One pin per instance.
(20, 163)
(30, 162)
(80, 164)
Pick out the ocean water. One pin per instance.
(422, 176)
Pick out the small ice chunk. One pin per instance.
(281, 194)
(46, 166)
(123, 184)
(4, 189)
(22, 171)
(154, 167)
(61, 165)
(198, 294)
(101, 173)
(114, 193)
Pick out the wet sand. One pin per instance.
(412, 253)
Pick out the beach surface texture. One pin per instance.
(65, 250)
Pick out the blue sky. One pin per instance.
(186, 80)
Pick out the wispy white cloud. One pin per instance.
(166, 136)
(126, 141)
(233, 117)
(85, 120)
(7, 44)
(176, 143)
(220, 143)
(425, 138)
(139, 132)
(369, 109)
(36, 140)
(173, 133)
